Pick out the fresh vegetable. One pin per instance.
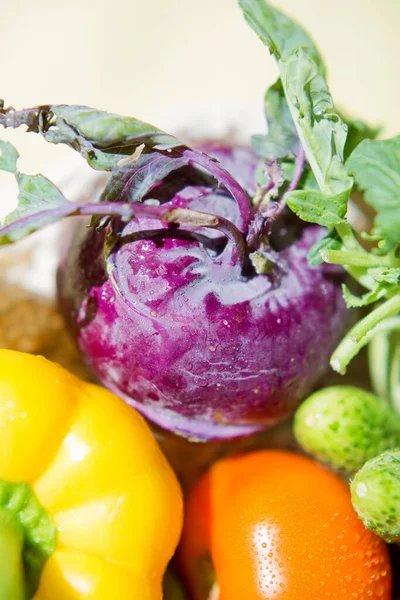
(375, 492)
(226, 354)
(202, 264)
(344, 426)
(277, 525)
(89, 507)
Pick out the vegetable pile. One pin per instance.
(210, 291)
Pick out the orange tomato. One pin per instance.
(278, 526)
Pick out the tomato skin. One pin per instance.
(278, 526)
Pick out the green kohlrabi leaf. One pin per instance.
(107, 130)
(386, 275)
(315, 207)
(277, 31)
(330, 241)
(353, 301)
(102, 138)
(375, 165)
(321, 131)
(40, 202)
(281, 140)
(35, 193)
(8, 157)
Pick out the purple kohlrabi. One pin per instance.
(177, 320)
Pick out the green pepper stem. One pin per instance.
(361, 334)
(12, 579)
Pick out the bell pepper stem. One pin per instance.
(12, 579)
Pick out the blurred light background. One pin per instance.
(184, 63)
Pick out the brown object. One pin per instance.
(32, 323)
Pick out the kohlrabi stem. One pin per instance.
(260, 228)
(164, 212)
(361, 333)
(178, 215)
(237, 240)
(12, 578)
(351, 244)
(222, 176)
(358, 259)
(348, 238)
(298, 170)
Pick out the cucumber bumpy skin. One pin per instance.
(344, 427)
(375, 493)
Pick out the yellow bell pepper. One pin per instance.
(102, 512)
